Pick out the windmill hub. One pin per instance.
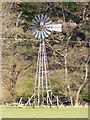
(41, 27)
(42, 24)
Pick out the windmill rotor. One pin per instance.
(39, 26)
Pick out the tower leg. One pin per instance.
(42, 74)
(39, 75)
(45, 70)
(36, 73)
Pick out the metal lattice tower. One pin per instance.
(42, 28)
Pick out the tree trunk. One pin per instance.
(66, 79)
(84, 11)
(71, 100)
(65, 57)
(80, 88)
(77, 97)
(17, 23)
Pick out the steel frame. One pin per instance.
(42, 81)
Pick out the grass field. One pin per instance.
(29, 112)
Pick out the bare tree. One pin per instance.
(83, 84)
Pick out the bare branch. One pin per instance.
(59, 63)
(55, 50)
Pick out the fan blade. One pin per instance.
(47, 31)
(42, 18)
(45, 17)
(34, 21)
(37, 34)
(43, 36)
(39, 17)
(46, 35)
(48, 23)
(47, 20)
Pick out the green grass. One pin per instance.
(29, 112)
